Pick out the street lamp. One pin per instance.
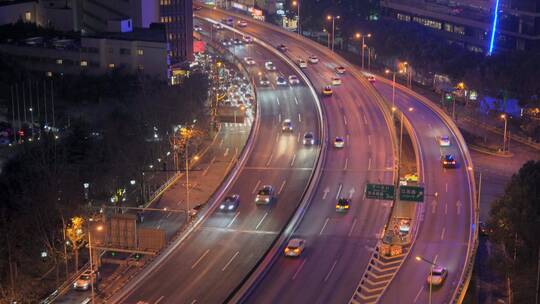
(333, 18)
(503, 116)
(358, 35)
(93, 273)
(387, 71)
(419, 258)
(327, 37)
(297, 4)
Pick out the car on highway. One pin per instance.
(302, 63)
(448, 161)
(313, 59)
(293, 80)
(197, 28)
(281, 81)
(237, 41)
(309, 139)
(217, 26)
(264, 81)
(437, 276)
(343, 204)
(370, 78)
(230, 203)
(247, 39)
(269, 65)
(241, 23)
(265, 195)
(336, 81)
(84, 281)
(327, 90)
(249, 61)
(286, 126)
(340, 70)
(229, 20)
(226, 42)
(197, 8)
(282, 48)
(444, 141)
(295, 247)
(339, 142)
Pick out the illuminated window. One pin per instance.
(84, 63)
(49, 74)
(59, 61)
(28, 16)
(459, 30)
(403, 17)
(140, 52)
(111, 65)
(448, 27)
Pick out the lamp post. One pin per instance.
(297, 4)
(93, 273)
(503, 116)
(333, 18)
(327, 37)
(432, 264)
(387, 71)
(358, 35)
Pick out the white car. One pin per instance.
(241, 23)
(444, 141)
(302, 63)
(293, 80)
(339, 142)
(295, 247)
(286, 126)
(340, 70)
(309, 139)
(197, 28)
(437, 276)
(370, 78)
(269, 65)
(217, 26)
(249, 61)
(336, 81)
(313, 59)
(264, 81)
(84, 280)
(228, 20)
(281, 81)
(265, 195)
(247, 39)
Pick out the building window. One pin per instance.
(125, 51)
(59, 61)
(459, 30)
(429, 23)
(28, 16)
(84, 63)
(448, 27)
(140, 52)
(111, 65)
(49, 74)
(403, 17)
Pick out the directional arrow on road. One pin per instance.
(458, 205)
(325, 192)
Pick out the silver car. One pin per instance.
(265, 195)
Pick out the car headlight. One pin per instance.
(74, 284)
(222, 206)
(267, 199)
(231, 207)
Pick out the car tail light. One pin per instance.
(296, 250)
(346, 206)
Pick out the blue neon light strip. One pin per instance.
(494, 28)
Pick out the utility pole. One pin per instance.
(13, 115)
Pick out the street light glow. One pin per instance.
(418, 258)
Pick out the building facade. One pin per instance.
(470, 23)
(177, 15)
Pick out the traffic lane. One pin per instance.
(446, 221)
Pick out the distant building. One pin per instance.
(177, 15)
(140, 51)
(470, 22)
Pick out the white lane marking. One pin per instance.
(269, 159)
(260, 222)
(226, 152)
(324, 226)
(344, 120)
(435, 259)
(458, 205)
(277, 138)
(369, 139)
(200, 258)
(279, 117)
(221, 142)
(293, 158)
(446, 208)
(418, 294)
(299, 117)
(351, 192)
(325, 192)
(339, 191)
(282, 186)
(273, 86)
(365, 119)
(446, 185)
(369, 164)
(256, 187)
(298, 138)
(298, 270)
(346, 164)
(159, 300)
(277, 100)
(330, 272)
(295, 100)
(348, 138)
(230, 261)
(352, 227)
(442, 233)
(433, 206)
(233, 219)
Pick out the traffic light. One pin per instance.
(448, 97)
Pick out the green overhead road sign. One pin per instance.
(411, 194)
(380, 191)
